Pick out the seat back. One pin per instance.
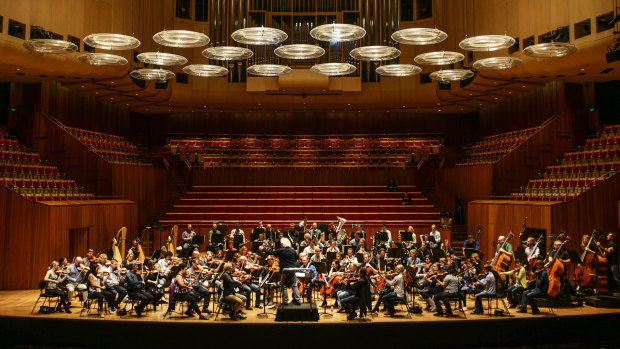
(41, 285)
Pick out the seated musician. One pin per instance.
(90, 257)
(414, 238)
(540, 290)
(344, 292)
(247, 286)
(414, 261)
(96, 289)
(397, 283)
(355, 241)
(183, 282)
(76, 278)
(236, 299)
(362, 248)
(135, 285)
(317, 256)
(308, 285)
(305, 242)
(406, 200)
(450, 286)
(610, 251)
(357, 289)
(309, 250)
(165, 262)
(187, 237)
(53, 279)
(152, 284)
(489, 289)
(350, 257)
(231, 246)
(435, 235)
(63, 263)
(470, 243)
(219, 254)
(432, 287)
(425, 249)
(260, 239)
(332, 247)
(447, 248)
(129, 258)
(379, 260)
(113, 285)
(513, 293)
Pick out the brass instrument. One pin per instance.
(341, 235)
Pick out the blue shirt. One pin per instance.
(315, 274)
(134, 282)
(75, 275)
(544, 278)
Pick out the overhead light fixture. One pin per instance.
(439, 58)
(100, 59)
(227, 53)
(398, 70)
(333, 69)
(375, 53)
(259, 36)
(497, 63)
(110, 41)
(550, 50)
(161, 58)
(419, 36)
(269, 70)
(152, 74)
(301, 51)
(338, 32)
(451, 75)
(50, 46)
(487, 43)
(181, 38)
(205, 70)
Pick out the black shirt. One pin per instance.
(288, 257)
(359, 285)
(612, 257)
(229, 284)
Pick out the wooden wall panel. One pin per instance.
(468, 182)
(33, 234)
(302, 177)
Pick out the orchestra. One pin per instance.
(427, 269)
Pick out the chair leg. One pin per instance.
(35, 305)
(506, 308)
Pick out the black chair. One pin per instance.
(222, 304)
(172, 304)
(545, 301)
(497, 297)
(458, 303)
(46, 297)
(88, 303)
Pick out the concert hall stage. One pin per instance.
(584, 326)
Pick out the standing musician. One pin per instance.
(236, 300)
(316, 234)
(184, 283)
(450, 286)
(187, 237)
(288, 259)
(215, 235)
(135, 284)
(304, 224)
(489, 288)
(237, 232)
(270, 234)
(531, 252)
(559, 250)
(414, 238)
(383, 237)
(308, 285)
(97, 291)
(470, 243)
(435, 234)
(611, 254)
(397, 283)
(355, 241)
(542, 285)
(501, 248)
(357, 290)
(293, 235)
(113, 285)
(53, 278)
(513, 293)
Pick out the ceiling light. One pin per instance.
(227, 53)
(333, 69)
(497, 63)
(152, 74)
(301, 51)
(338, 32)
(50, 46)
(205, 70)
(375, 53)
(487, 43)
(439, 58)
(451, 75)
(100, 59)
(259, 36)
(550, 50)
(269, 70)
(419, 36)
(181, 38)
(161, 58)
(398, 70)
(109, 41)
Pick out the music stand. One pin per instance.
(217, 240)
(406, 235)
(198, 240)
(469, 251)
(256, 244)
(331, 255)
(268, 279)
(438, 253)
(321, 268)
(229, 255)
(396, 253)
(522, 256)
(238, 240)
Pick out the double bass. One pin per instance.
(555, 271)
(502, 261)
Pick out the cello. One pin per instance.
(555, 271)
(502, 261)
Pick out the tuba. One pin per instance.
(341, 235)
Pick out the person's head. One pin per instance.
(261, 236)
(284, 242)
(410, 229)
(362, 243)
(189, 227)
(317, 251)
(168, 255)
(270, 260)
(530, 241)
(451, 269)
(130, 256)
(133, 266)
(269, 227)
(54, 265)
(78, 261)
(405, 195)
(243, 259)
(306, 236)
(338, 256)
(311, 243)
(219, 254)
(214, 226)
(237, 226)
(349, 252)
(280, 235)
(292, 226)
(470, 238)
(487, 267)
(446, 243)
(196, 254)
(383, 227)
(235, 257)
(382, 252)
(260, 223)
(400, 268)
(352, 267)
(194, 262)
(227, 267)
(518, 262)
(501, 239)
(332, 244)
(335, 265)
(89, 253)
(540, 263)
(611, 237)
(231, 243)
(362, 272)
(412, 253)
(557, 244)
(114, 264)
(366, 257)
(304, 259)
(243, 250)
(315, 225)
(433, 227)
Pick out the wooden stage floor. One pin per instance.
(15, 307)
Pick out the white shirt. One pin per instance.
(437, 235)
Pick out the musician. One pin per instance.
(183, 281)
(237, 232)
(435, 234)
(470, 243)
(304, 224)
(584, 243)
(542, 285)
(309, 250)
(414, 239)
(236, 299)
(425, 250)
(187, 236)
(306, 241)
(293, 235)
(288, 259)
(317, 256)
(270, 234)
(611, 254)
(450, 286)
(531, 250)
(89, 258)
(357, 290)
(129, 258)
(332, 230)
(384, 236)
(215, 235)
(135, 284)
(406, 199)
(197, 287)
(362, 248)
(349, 258)
(152, 284)
(489, 289)
(414, 260)
(247, 286)
(165, 263)
(113, 285)
(344, 292)
(267, 272)
(134, 248)
(379, 262)
(513, 293)
(559, 250)
(53, 279)
(97, 291)
(76, 277)
(315, 234)
(355, 241)
(501, 248)
(447, 248)
(332, 247)
(260, 240)
(397, 283)
(231, 246)
(63, 263)
(431, 286)
(308, 285)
